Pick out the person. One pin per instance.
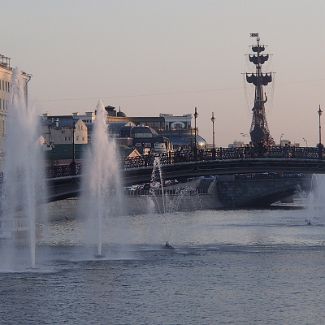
(168, 246)
(308, 222)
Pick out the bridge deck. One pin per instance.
(64, 181)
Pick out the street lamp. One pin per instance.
(320, 146)
(213, 135)
(319, 126)
(195, 133)
(306, 143)
(73, 163)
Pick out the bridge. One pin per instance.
(64, 180)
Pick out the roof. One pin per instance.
(179, 140)
(125, 151)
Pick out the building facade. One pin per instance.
(6, 73)
(58, 131)
(177, 128)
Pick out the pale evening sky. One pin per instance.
(168, 56)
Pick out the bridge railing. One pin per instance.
(63, 170)
(225, 154)
(180, 156)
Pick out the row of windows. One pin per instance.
(77, 138)
(3, 104)
(5, 85)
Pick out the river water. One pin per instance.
(227, 267)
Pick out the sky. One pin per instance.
(168, 56)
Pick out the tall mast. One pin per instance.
(259, 132)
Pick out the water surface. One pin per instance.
(228, 267)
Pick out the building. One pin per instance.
(61, 130)
(58, 129)
(284, 143)
(64, 136)
(177, 128)
(177, 122)
(152, 134)
(6, 73)
(237, 144)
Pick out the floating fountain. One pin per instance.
(101, 189)
(315, 200)
(158, 195)
(23, 185)
(170, 201)
(157, 187)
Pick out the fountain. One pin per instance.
(101, 186)
(170, 201)
(158, 195)
(157, 187)
(315, 200)
(23, 185)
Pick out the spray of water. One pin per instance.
(101, 197)
(315, 211)
(23, 185)
(157, 186)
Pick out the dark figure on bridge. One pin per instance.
(213, 153)
(73, 168)
(320, 150)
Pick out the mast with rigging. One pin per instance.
(259, 132)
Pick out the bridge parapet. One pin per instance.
(56, 171)
(226, 154)
(218, 154)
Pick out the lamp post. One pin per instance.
(320, 146)
(213, 134)
(73, 163)
(195, 133)
(319, 126)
